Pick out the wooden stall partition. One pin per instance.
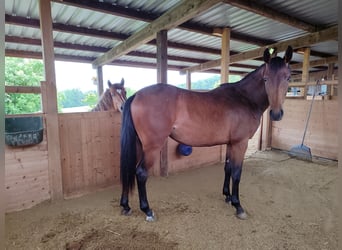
(322, 133)
(90, 151)
(26, 176)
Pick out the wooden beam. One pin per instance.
(303, 41)
(305, 70)
(172, 18)
(162, 56)
(99, 74)
(140, 15)
(34, 23)
(188, 80)
(23, 89)
(162, 78)
(50, 109)
(262, 10)
(315, 63)
(225, 55)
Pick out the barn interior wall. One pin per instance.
(322, 132)
(26, 176)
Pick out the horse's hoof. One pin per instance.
(151, 218)
(242, 216)
(126, 212)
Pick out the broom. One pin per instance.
(301, 151)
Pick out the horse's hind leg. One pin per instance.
(142, 175)
(126, 210)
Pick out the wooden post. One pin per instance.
(2, 126)
(50, 109)
(162, 56)
(330, 76)
(188, 79)
(225, 55)
(162, 78)
(99, 80)
(305, 72)
(266, 131)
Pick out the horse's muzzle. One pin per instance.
(276, 116)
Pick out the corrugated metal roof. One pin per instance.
(187, 44)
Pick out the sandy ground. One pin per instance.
(291, 205)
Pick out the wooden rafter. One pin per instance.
(172, 18)
(253, 6)
(306, 40)
(140, 15)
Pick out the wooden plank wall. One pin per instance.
(90, 151)
(322, 133)
(26, 176)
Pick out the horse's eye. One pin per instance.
(289, 78)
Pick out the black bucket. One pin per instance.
(23, 131)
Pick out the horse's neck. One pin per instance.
(253, 88)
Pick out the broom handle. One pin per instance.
(307, 119)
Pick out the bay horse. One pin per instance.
(229, 114)
(113, 98)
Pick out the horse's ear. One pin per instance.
(109, 83)
(267, 56)
(288, 54)
(122, 82)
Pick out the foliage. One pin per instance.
(72, 98)
(129, 92)
(23, 72)
(90, 98)
(209, 83)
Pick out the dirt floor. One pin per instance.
(291, 205)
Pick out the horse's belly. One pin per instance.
(199, 136)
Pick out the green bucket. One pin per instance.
(23, 131)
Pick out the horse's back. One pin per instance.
(191, 117)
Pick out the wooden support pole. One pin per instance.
(266, 131)
(99, 80)
(162, 78)
(330, 75)
(225, 55)
(50, 109)
(188, 79)
(306, 68)
(2, 126)
(162, 56)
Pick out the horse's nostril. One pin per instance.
(276, 116)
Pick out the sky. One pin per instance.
(71, 75)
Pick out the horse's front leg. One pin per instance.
(227, 175)
(236, 156)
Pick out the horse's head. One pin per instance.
(118, 93)
(276, 77)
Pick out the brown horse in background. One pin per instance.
(229, 114)
(113, 98)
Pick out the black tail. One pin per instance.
(128, 158)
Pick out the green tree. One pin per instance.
(72, 98)
(23, 72)
(90, 99)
